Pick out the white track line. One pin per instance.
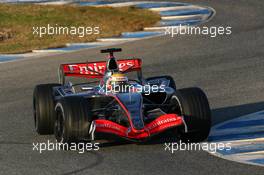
(247, 156)
(116, 39)
(160, 9)
(261, 153)
(121, 4)
(54, 3)
(164, 28)
(183, 17)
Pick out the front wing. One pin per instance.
(155, 127)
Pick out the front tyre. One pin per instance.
(43, 108)
(73, 119)
(194, 107)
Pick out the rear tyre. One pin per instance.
(43, 108)
(73, 119)
(194, 107)
(172, 83)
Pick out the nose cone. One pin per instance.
(133, 103)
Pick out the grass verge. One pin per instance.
(17, 22)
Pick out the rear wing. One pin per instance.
(96, 69)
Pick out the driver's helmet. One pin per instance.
(117, 82)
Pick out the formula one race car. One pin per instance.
(116, 105)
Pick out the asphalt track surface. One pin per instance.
(229, 68)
